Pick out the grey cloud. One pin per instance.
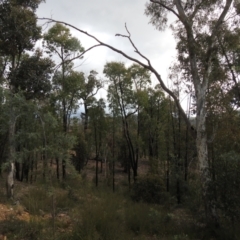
(105, 18)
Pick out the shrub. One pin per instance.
(149, 189)
(226, 186)
(101, 219)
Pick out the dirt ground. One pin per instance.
(11, 209)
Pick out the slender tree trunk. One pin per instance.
(129, 172)
(17, 169)
(113, 175)
(57, 168)
(86, 116)
(178, 159)
(11, 157)
(10, 181)
(44, 153)
(97, 153)
(63, 169)
(113, 152)
(96, 172)
(186, 156)
(168, 149)
(31, 175)
(36, 167)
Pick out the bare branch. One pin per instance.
(74, 58)
(80, 55)
(134, 46)
(97, 40)
(131, 113)
(149, 67)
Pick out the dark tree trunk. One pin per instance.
(31, 168)
(17, 169)
(96, 172)
(113, 175)
(186, 156)
(57, 168)
(63, 169)
(25, 171)
(178, 159)
(129, 173)
(86, 116)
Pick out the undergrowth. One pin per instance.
(84, 212)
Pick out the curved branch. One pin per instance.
(134, 46)
(149, 67)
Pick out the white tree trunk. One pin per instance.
(11, 158)
(202, 151)
(10, 180)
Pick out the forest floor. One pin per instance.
(76, 209)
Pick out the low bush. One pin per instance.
(100, 219)
(149, 189)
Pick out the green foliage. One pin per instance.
(158, 15)
(33, 76)
(227, 185)
(38, 200)
(60, 41)
(18, 27)
(17, 229)
(79, 160)
(101, 219)
(149, 189)
(141, 218)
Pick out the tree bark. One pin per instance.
(11, 157)
(10, 181)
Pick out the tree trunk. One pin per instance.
(113, 175)
(63, 169)
(31, 168)
(202, 152)
(10, 181)
(86, 117)
(11, 158)
(57, 168)
(17, 169)
(96, 172)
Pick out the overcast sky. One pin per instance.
(105, 18)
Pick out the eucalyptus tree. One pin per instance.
(19, 30)
(59, 41)
(18, 33)
(154, 124)
(126, 93)
(120, 95)
(32, 77)
(196, 28)
(228, 60)
(89, 88)
(98, 128)
(66, 95)
(140, 79)
(32, 80)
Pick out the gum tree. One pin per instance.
(196, 28)
(18, 33)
